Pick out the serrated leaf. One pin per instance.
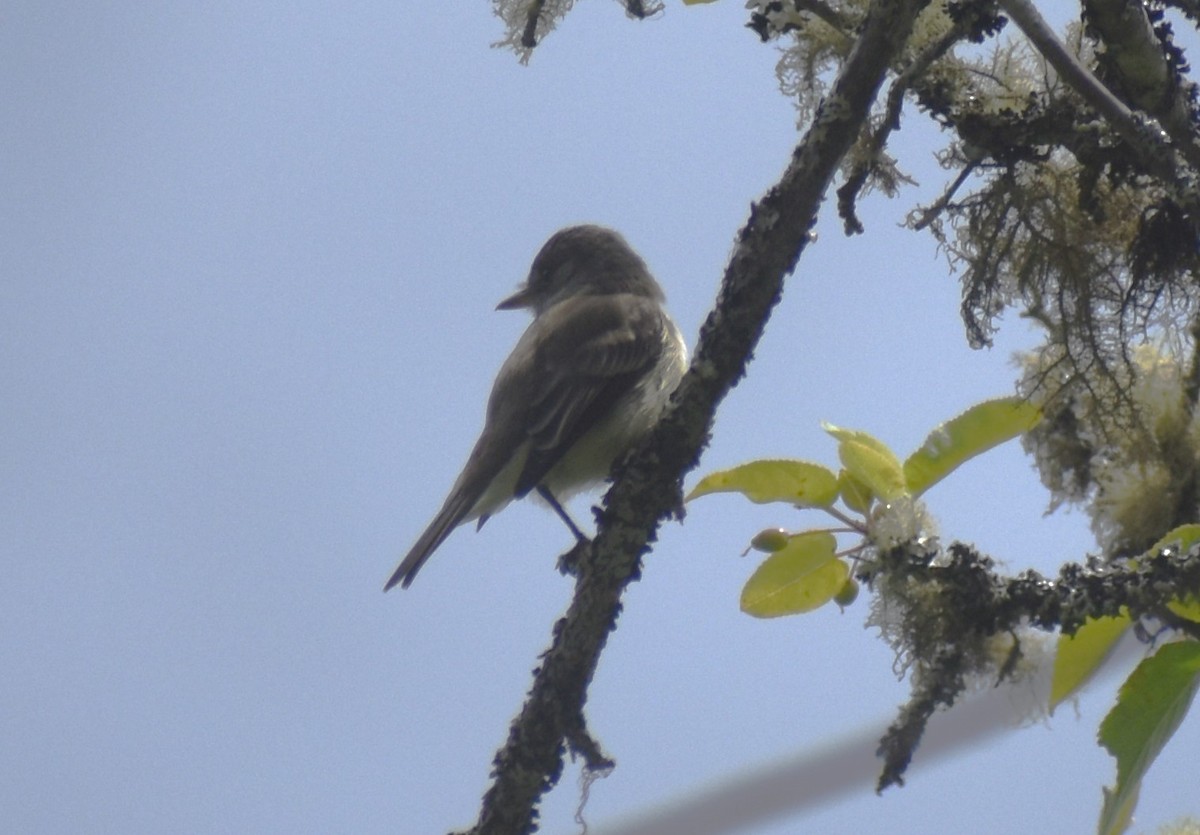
(859, 437)
(855, 495)
(1152, 703)
(869, 460)
(1187, 608)
(774, 480)
(1185, 536)
(803, 576)
(1079, 656)
(975, 431)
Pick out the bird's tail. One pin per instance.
(447, 520)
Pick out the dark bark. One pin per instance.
(647, 490)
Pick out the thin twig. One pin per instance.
(930, 214)
(848, 193)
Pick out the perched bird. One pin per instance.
(585, 382)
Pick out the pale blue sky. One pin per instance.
(250, 257)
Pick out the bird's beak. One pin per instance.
(519, 299)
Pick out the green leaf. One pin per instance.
(1187, 608)
(856, 495)
(1185, 536)
(1118, 813)
(1079, 656)
(774, 480)
(1152, 703)
(975, 431)
(870, 461)
(803, 576)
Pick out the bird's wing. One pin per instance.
(571, 366)
(591, 351)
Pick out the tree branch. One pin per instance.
(529, 21)
(848, 193)
(1147, 140)
(949, 605)
(647, 487)
(1139, 62)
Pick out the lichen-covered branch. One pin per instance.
(935, 686)
(647, 489)
(528, 21)
(1156, 155)
(1141, 60)
(947, 608)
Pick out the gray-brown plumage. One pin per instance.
(585, 382)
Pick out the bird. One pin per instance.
(586, 381)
